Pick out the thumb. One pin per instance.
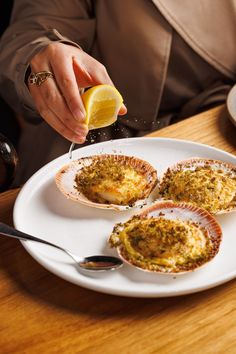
(123, 110)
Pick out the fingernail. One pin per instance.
(82, 130)
(77, 131)
(80, 140)
(123, 110)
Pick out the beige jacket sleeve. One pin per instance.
(35, 24)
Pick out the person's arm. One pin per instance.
(34, 25)
(33, 38)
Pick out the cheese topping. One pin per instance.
(211, 189)
(161, 244)
(110, 181)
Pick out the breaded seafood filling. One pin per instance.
(109, 181)
(207, 187)
(164, 245)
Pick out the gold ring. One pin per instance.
(40, 77)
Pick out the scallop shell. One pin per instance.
(65, 179)
(192, 164)
(173, 211)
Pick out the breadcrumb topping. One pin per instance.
(161, 244)
(209, 188)
(110, 181)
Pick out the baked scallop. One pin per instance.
(168, 237)
(210, 184)
(108, 181)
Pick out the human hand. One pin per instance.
(58, 100)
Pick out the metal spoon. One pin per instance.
(91, 263)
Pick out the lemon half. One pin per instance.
(102, 104)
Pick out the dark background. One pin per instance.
(9, 125)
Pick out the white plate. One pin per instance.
(231, 104)
(41, 210)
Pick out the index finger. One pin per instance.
(67, 84)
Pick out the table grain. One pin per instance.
(41, 313)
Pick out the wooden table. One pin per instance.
(41, 313)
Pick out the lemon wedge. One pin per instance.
(102, 104)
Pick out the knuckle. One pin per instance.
(102, 68)
(104, 74)
(35, 61)
(46, 51)
(72, 102)
(66, 82)
(52, 47)
(50, 96)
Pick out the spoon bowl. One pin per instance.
(97, 263)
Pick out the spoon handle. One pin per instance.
(11, 232)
